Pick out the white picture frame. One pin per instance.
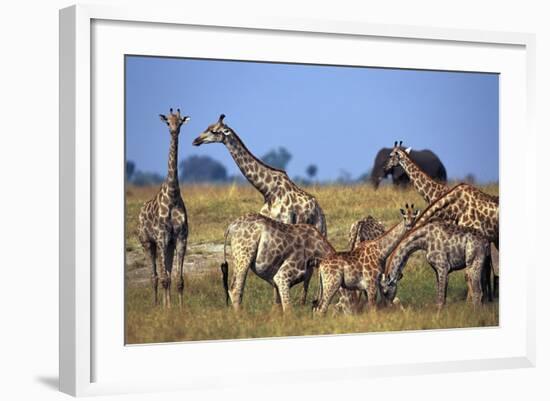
(91, 362)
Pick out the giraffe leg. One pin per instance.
(468, 284)
(495, 268)
(243, 260)
(165, 279)
(151, 254)
(237, 286)
(442, 282)
(486, 269)
(372, 290)
(475, 277)
(283, 285)
(276, 299)
(181, 247)
(330, 281)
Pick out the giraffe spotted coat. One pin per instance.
(466, 206)
(360, 268)
(366, 229)
(426, 186)
(163, 224)
(448, 248)
(283, 200)
(281, 254)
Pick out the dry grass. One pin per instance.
(205, 316)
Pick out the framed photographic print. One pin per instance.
(306, 199)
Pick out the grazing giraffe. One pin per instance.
(360, 268)
(283, 200)
(448, 248)
(426, 186)
(366, 229)
(467, 206)
(163, 225)
(281, 254)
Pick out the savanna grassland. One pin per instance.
(205, 316)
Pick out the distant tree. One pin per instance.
(144, 178)
(130, 169)
(344, 177)
(311, 171)
(277, 158)
(202, 169)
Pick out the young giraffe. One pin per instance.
(281, 254)
(426, 186)
(366, 229)
(360, 268)
(283, 200)
(163, 225)
(432, 191)
(448, 248)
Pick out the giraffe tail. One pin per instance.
(225, 268)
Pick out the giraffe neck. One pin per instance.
(442, 207)
(428, 188)
(413, 242)
(255, 171)
(172, 178)
(388, 241)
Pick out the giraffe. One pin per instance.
(448, 248)
(467, 206)
(281, 254)
(360, 268)
(163, 224)
(432, 190)
(283, 200)
(366, 229)
(426, 186)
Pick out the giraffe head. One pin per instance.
(174, 121)
(409, 215)
(216, 132)
(397, 154)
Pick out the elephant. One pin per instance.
(425, 159)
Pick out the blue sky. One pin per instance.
(335, 117)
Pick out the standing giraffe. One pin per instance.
(283, 200)
(426, 186)
(163, 225)
(281, 254)
(361, 268)
(467, 206)
(448, 248)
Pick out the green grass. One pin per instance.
(204, 315)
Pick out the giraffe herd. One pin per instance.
(286, 241)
